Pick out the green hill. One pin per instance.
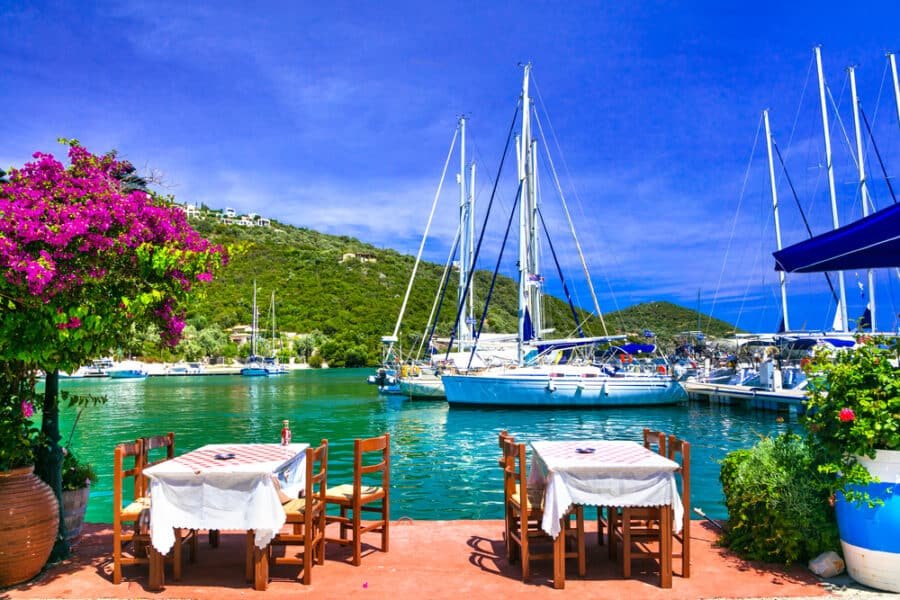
(351, 291)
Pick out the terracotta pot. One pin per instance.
(29, 522)
(74, 506)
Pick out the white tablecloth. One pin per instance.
(616, 473)
(198, 491)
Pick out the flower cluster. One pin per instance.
(17, 428)
(84, 253)
(853, 408)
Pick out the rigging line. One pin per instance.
(840, 121)
(565, 206)
(734, 221)
(559, 270)
(809, 232)
(487, 215)
(412, 277)
(887, 179)
(575, 193)
(812, 61)
(487, 299)
(428, 334)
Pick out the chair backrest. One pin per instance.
(371, 460)
(316, 472)
(503, 455)
(680, 452)
(517, 473)
(510, 452)
(657, 438)
(156, 449)
(123, 468)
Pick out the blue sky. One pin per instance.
(339, 118)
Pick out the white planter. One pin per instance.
(870, 537)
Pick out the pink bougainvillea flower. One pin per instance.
(27, 409)
(846, 415)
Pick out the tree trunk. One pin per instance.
(49, 458)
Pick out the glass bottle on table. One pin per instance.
(285, 433)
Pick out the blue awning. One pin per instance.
(872, 242)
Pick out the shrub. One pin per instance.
(315, 361)
(777, 500)
(76, 474)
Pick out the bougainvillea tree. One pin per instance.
(86, 258)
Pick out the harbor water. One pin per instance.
(444, 459)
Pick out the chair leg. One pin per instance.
(194, 545)
(626, 543)
(357, 538)
(343, 522)
(117, 555)
(385, 526)
(612, 514)
(599, 525)
(308, 555)
(686, 547)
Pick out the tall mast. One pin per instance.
(893, 58)
(471, 257)
(529, 284)
(781, 277)
(863, 188)
(272, 310)
(830, 168)
(254, 322)
(464, 333)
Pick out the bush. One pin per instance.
(315, 361)
(76, 474)
(778, 502)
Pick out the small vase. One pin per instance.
(29, 523)
(870, 537)
(74, 506)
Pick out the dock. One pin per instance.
(785, 400)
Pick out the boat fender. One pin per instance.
(551, 387)
(661, 369)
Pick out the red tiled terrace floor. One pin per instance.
(427, 559)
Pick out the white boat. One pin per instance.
(182, 368)
(128, 369)
(534, 380)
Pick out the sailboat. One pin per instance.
(273, 367)
(544, 373)
(255, 366)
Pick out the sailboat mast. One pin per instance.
(863, 188)
(529, 290)
(893, 58)
(463, 334)
(471, 258)
(830, 169)
(254, 323)
(272, 311)
(781, 277)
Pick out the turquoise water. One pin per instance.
(444, 459)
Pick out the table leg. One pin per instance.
(248, 557)
(214, 538)
(559, 559)
(157, 575)
(665, 547)
(261, 568)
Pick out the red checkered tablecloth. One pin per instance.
(204, 458)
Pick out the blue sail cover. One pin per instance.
(872, 242)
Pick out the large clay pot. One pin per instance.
(74, 506)
(870, 537)
(29, 522)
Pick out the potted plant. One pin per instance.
(77, 477)
(29, 512)
(853, 419)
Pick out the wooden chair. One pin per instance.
(369, 492)
(680, 452)
(642, 525)
(306, 515)
(652, 440)
(505, 457)
(526, 513)
(157, 449)
(127, 463)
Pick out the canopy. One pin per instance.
(872, 242)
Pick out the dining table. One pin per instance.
(610, 473)
(222, 487)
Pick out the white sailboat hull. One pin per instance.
(536, 387)
(421, 387)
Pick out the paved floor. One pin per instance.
(427, 559)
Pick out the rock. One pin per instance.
(828, 564)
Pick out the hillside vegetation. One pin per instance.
(354, 300)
